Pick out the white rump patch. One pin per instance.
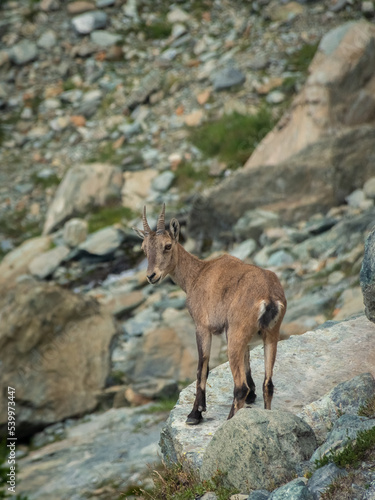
(262, 308)
(262, 304)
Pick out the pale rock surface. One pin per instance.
(103, 242)
(137, 187)
(55, 349)
(75, 232)
(113, 447)
(16, 262)
(83, 187)
(46, 263)
(306, 368)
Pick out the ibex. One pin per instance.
(222, 294)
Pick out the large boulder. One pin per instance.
(17, 262)
(307, 367)
(83, 187)
(311, 160)
(367, 276)
(55, 351)
(265, 449)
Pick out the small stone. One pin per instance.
(259, 495)
(335, 277)
(194, 118)
(280, 258)
(369, 188)
(90, 21)
(23, 53)
(177, 15)
(178, 30)
(227, 78)
(203, 97)
(47, 40)
(75, 232)
(104, 38)
(210, 495)
(323, 477)
(357, 199)
(46, 263)
(105, 3)
(244, 249)
(174, 159)
(103, 242)
(294, 490)
(367, 8)
(79, 7)
(163, 181)
(275, 97)
(60, 123)
(78, 120)
(49, 5)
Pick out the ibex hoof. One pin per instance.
(193, 420)
(251, 397)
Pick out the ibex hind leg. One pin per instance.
(204, 348)
(270, 349)
(237, 347)
(250, 398)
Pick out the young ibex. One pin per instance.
(222, 294)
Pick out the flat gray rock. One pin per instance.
(306, 368)
(23, 52)
(47, 262)
(322, 478)
(346, 397)
(103, 242)
(89, 21)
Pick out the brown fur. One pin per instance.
(223, 294)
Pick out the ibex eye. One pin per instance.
(168, 247)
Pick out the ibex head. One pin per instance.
(160, 247)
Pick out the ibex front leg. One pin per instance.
(204, 348)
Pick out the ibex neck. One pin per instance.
(187, 269)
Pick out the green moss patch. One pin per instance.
(233, 137)
(301, 59)
(353, 452)
(108, 216)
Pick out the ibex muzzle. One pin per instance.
(223, 294)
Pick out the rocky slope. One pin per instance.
(103, 106)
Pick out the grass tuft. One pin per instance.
(107, 216)
(301, 59)
(187, 175)
(233, 137)
(181, 482)
(368, 409)
(353, 452)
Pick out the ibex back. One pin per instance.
(223, 294)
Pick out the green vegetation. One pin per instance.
(233, 137)
(368, 409)
(107, 216)
(156, 30)
(106, 153)
(45, 182)
(181, 482)
(353, 452)
(301, 59)
(187, 176)
(162, 405)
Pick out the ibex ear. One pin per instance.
(174, 227)
(140, 233)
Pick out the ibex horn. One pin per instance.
(146, 227)
(160, 228)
